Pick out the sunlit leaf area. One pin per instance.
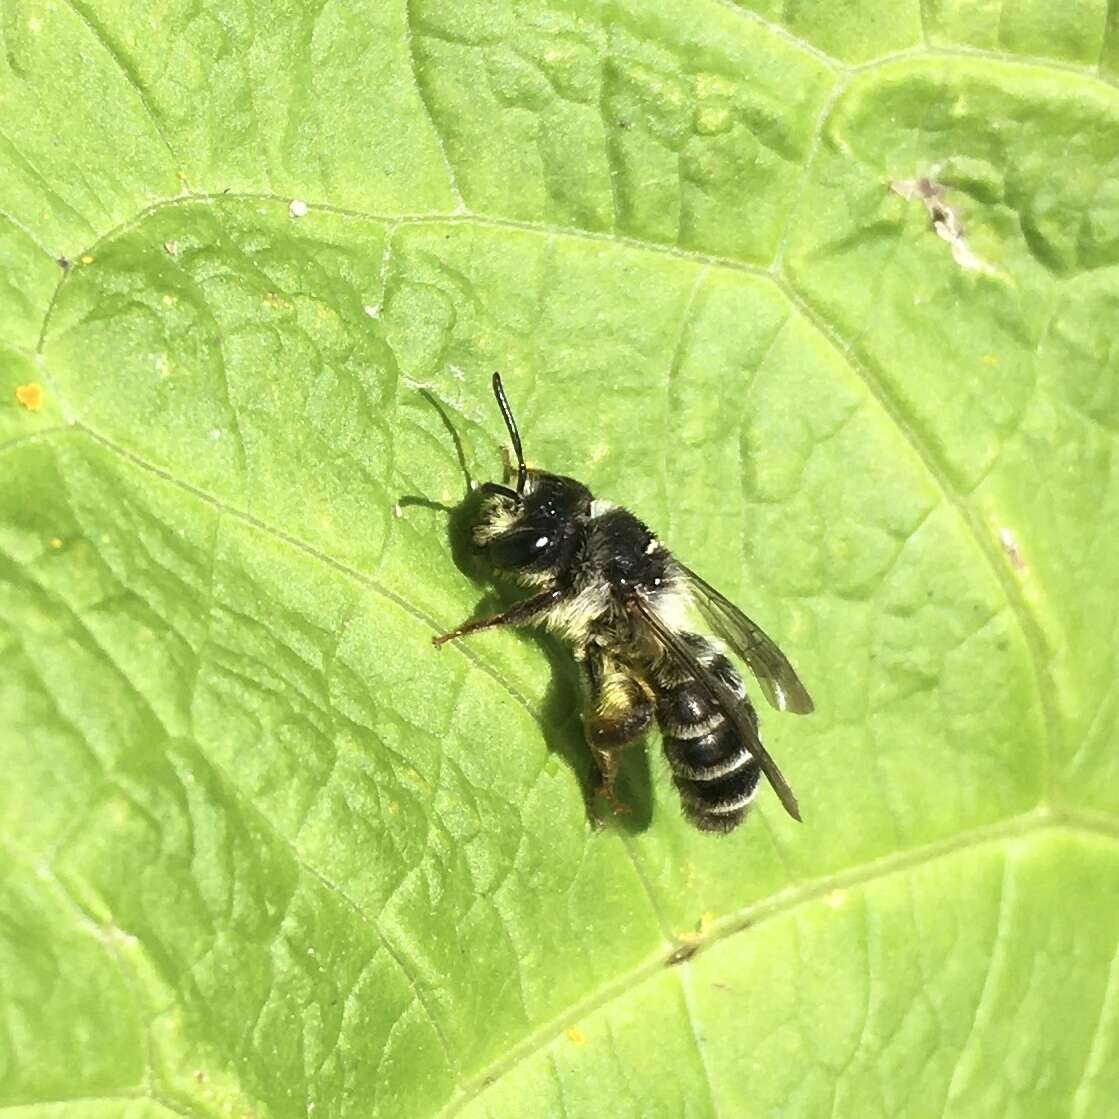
(826, 293)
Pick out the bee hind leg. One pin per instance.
(620, 711)
(607, 758)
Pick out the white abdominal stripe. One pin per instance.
(702, 773)
(673, 729)
(705, 798)
(728, 807)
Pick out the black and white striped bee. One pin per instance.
(608, 586)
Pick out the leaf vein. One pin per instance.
(984, 542)
(1095, 1056)
(777, 905)
(782, 32)
(410, 47)
(693, 1025)
(126, 69)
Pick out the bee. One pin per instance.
(605, 583)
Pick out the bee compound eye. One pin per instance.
(521, 547)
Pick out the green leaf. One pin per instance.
(265, 851)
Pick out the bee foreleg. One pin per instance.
(527, 610)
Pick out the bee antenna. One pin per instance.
(514, 434)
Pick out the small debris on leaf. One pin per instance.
(945, 221)
(682, 954)
(692, 941)
(1010, 547)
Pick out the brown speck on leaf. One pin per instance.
(63, 262)
(682, 954)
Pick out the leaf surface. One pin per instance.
(265, 851)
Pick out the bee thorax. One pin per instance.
(629, 556)
(574, 617)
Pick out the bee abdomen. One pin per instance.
(716, 775)
(714, 771)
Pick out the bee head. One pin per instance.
(535, 526)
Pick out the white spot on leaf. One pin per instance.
(1010, 547)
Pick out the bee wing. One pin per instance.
(728, 703)
(778, 679)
